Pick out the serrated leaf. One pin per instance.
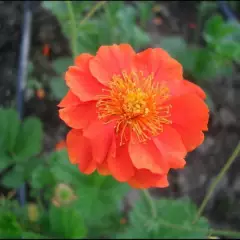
(101, 195)
(174, 220)
(29, 139)
(66, 222)
(62, 170)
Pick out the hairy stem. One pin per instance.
(216, 181)
(92, 11)
(149, 200)
(73, 27)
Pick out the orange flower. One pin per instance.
(46, 50)
(60, 145)
(157, 21)
(40, 93)
(133, 115)
(123, 221)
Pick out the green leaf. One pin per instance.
(29, 139)
(9, 227)
(58, 87)
(216, 30)
(228, 49)
(100, 195)
(174, 45)
(14, 178)
(205, 67)
(9, 128)
(145, 11)
(13, 128)
(41, 177)
(213, 27)
(5, 161)
(141, 38)
(66, 222)
(60, 65)
(174, 220)
(62, 170)
(32, 235)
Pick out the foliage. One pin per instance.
(174, 220)
(62, 202)
(65, 203)
(115, 23)
(216, 58)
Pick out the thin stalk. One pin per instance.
(217, 180)
(149, 200)
(92, 11)
(73, 27)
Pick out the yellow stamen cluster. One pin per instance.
(136, 104)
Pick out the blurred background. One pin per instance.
(204, 36)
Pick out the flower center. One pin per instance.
(136, 105)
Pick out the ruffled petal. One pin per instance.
(82, 61)
(79, 115)
(70, 99)
(103, 169)
(160, 63)
(147, 155)
(80, 151)
(143, 178)
(170, 145)
(80, 80)
(111, 60)
(183, 87)
(120, 163)
(100, 136)
(189, 115)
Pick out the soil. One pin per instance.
(202, 164)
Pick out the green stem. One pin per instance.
(217, 180)
(73, 27)
(215, 232)
(92, 11)
(150, 202)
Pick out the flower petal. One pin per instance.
(189, 115)
(103, 169)
(70, 99)
(160, 63)
(145, 179)
(147, 155)
(111, 60)
(120, 163)
(79, 116)
(193, 88)
(80, 152)
(81, 81)
(170, 144)
(82, 61)
(100, 136)
(183, 87)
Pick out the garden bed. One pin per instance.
(166, 19)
